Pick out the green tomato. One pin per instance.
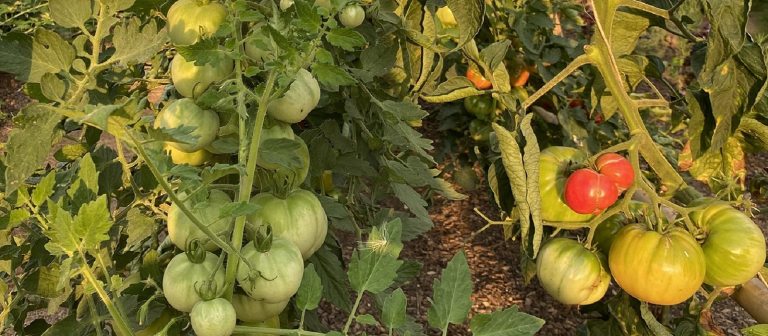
(191, 80)
(606, 232)
(480, 130)
(213, 318)
(663, 269)
(352, 16)
(553, 169)
(193, 159)
(184, 112)
(182, 276)
(257, 311)
(299, 218)
(183, 231)
(734, 247)
(571, 273)
(302, 97)
(482, 107)
(324, 4)
(277, 274)
(257, 47)
(189, 21)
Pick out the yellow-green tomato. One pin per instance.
(184, 112)
(185, 273)
(302, 97)
(183, 231)
(571, 273)
(663, 269)
(191, 20)
(277, 274)
(213, 318)
(352, 16)
(553, 173)
(299, 218)
(257, 311)
(191, 80)
(193, 159)
(734, 247)
(445, 15)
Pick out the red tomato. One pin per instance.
(480, 82)
(589, 192)
(617, 168)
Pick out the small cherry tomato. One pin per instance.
(352, 16)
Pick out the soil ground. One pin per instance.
(494, 262)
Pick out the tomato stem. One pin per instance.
(273, 331)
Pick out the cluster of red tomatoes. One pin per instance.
(664, 266)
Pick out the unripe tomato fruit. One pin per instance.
(299, 218)
(617, 168)
(554, 163)
(483, 106)
(183, 274)
(352, 16)
(479, 130)
(284, 131)
(191, 80)
(589, 192)
(193, 158)
(182, 231)
(734, 247)
(571, 273)
(445, 15)
(301, 98)
(477, 79)
(606, 232)
(256, 311)
(663, 269)
(213, 318)
(184, 112)
(278, 271)
(189, 21)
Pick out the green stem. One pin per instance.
(575, 64)
(352, 313)
(243, 330)
(94, 315)
(121, 326)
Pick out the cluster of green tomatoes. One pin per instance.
(289, 226)
(664, 265)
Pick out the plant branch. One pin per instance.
(353, 313)
(121, 326)
(575, 64)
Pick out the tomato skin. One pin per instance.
(663, 269)
(193, 159)
(571, 273)
(606, 232)
(479, 130)
(191, 80)
(301, 98)
(617, 168)
(734, 247)
(213, 318)
(352, 16)
(187, 18)
(184, 112)
(446, 17)
(589, 192)
(522, 78)
(483, 106)
(278, 271)
(182, 274)
(553, 169)
(182, 231)
(299, 218)
(256, 311)
(477, 79)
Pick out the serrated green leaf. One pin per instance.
(70, 13)
(380, 58)
(412, 199)
(30, 58)
(82, 233)
(28, 143)
(328, 267)
(43, 189)
(139, 228)
(331, 76)
(310, 291)
(469, 16)
(393, 310)
(507, 322)
(135, 43)
(53, 87)
(451, 294)
(309, 20)
(345, 38)
(374, 267)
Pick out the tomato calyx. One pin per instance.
(263, 241)
(195, 252)
(207, 290)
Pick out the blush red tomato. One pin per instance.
(617, 168)
(477, 79)
(589, 192)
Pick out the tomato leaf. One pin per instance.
(514, 166)
(139, 227)
(510, 322)
(29, 142)
(451, 294)
(656, 326)
(30, 58)
(82, 233)
(532, 198)
(70, 13)
(345, 38)
(374, 268)
(309, 20)
(332, 76)
(331, 272)
(135, 43)
(311, 290)
(393, 309)
(380, 58)
(366, 319)
(469, 16)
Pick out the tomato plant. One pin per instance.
(571, 273)
(182, 231)
(589, 192)
(554, 166)
(189, 21)
(192, 79)
(185, 113)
